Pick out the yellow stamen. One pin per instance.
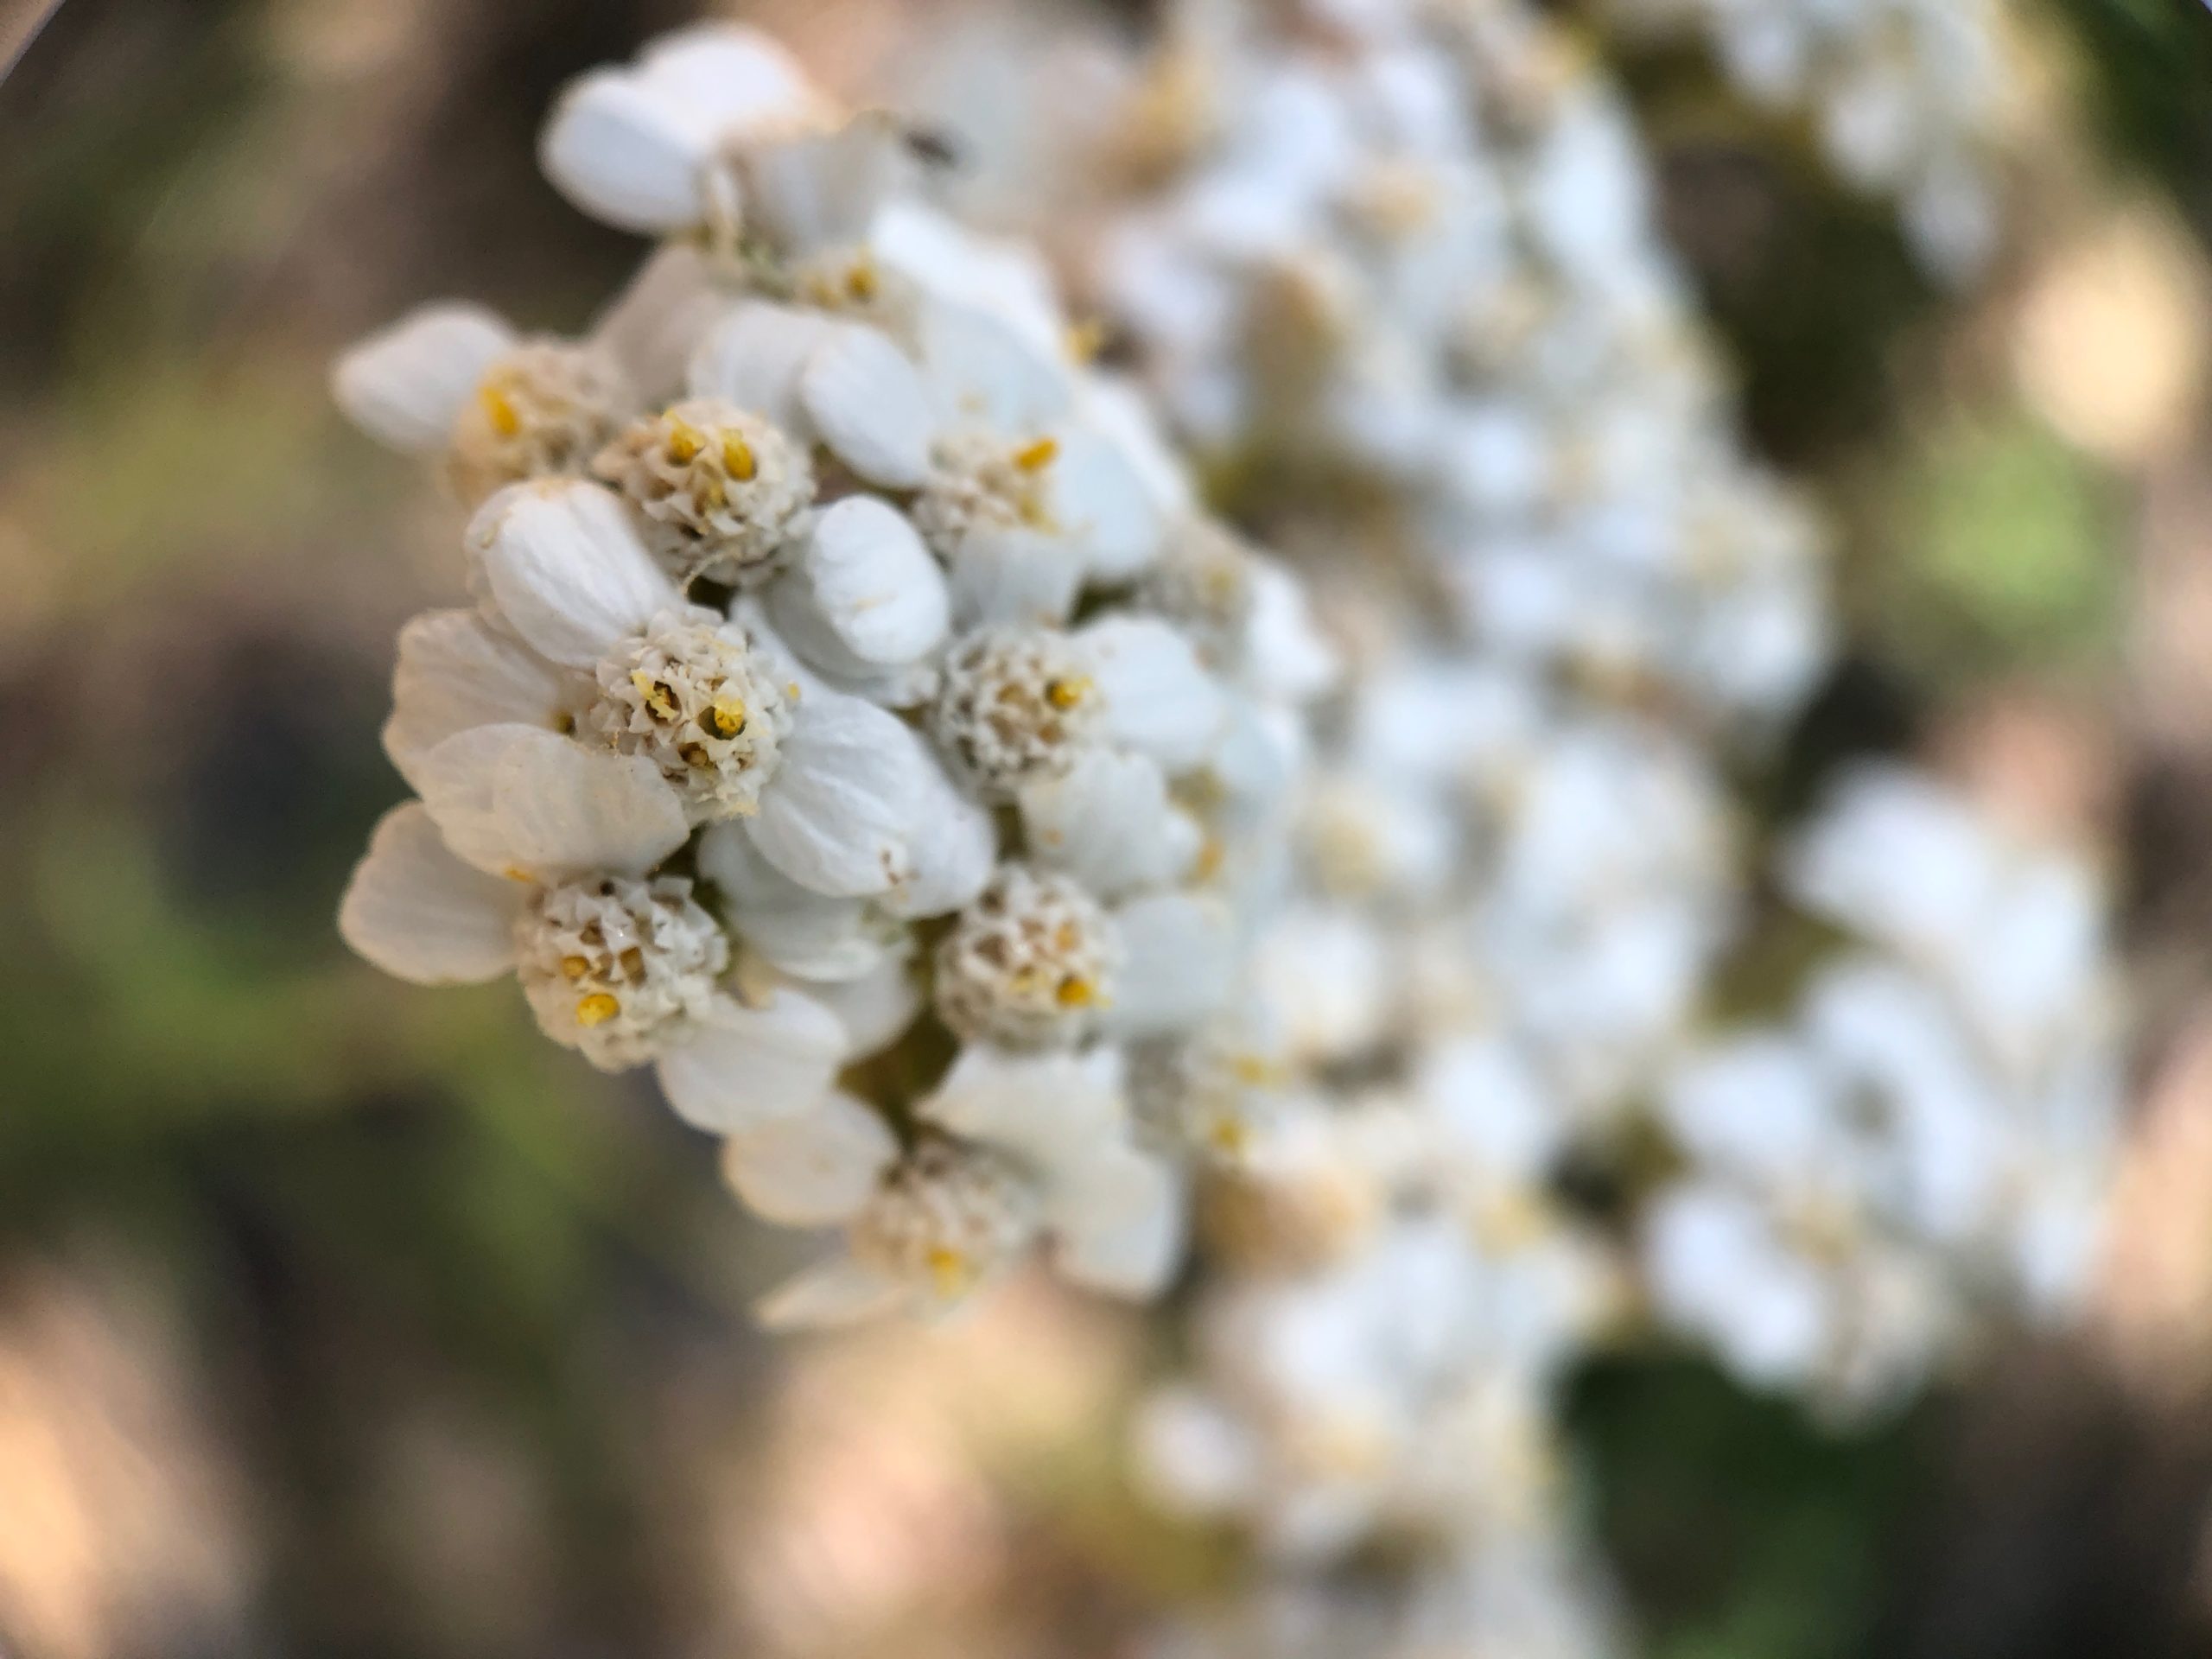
(738, 460)
(1036, 457)
(1085, 339)
(684, 443)
(575, 967)
(861, 282)
(499, 410)
(949, 1269)
(596, 1010)
(726, 718)
(1066, 694)
(1229, 1136)
(1075, 992)
(658, 699)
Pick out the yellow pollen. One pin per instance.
(1255, 1072)
(1229, 1136)
(684, 443)
(575, 967)
(515, 872)
(694, 755)
(658, 699)
(861, 282)
(1075, 992)
(1036, 457)
(596, 1010)
(499, 410)
(949, 1269)
(738, 459)
(1066, 694)
(1085, 339)
(726, 718)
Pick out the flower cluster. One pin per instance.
(846, 659)
(1911, 98)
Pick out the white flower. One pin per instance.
(1024, 499)
(586, 634)
(1041, 1152)
(534, 856)
(453, 380)
(657, 146)
(1036, 962)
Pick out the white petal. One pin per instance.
(875, 1009)
(1178, 953)
(1158, 697)
(741, 1067)
(456, 671)
(626, 156)
(1057, 1111)
(1102, 501)
(730, 82)
(1288, 656)
(947, 260)
(823, 190)
(566, 570)
(418, 913)
(754, 358)
(872, 584)
(652, 327)
(840, 811)
(837, 1292)
(1107, 823)
(802, 932)
(951, 853)
(815, 1167)
(1003, 573)
(518, 799)
(1120, 1228)
(405, 385)
(983, 373)
(869, 404)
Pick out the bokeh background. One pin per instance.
(341, 1319)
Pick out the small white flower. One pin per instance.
(535, 855)
(720, 493)
(1042, 1153)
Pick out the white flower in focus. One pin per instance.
(534, 856)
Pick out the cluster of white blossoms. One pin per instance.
(1931, 1133)
(1391, 267)
(853, 674)
(1912, 99)
(849, 670)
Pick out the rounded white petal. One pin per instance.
(839, 1291)
(952, 851)
(1059, 1112)
(1119, 1227)
(566, 570)
(754, 358)
(793, 928)
(1179, 951)
(949, 261)
(740, 1068)
(872, 584)
(815, 1167)
(404, 385)
(869, 404)
(626, 156)
(875, 1009)
(984, 375)
(1013, 574)
(1103, 504)
(418, 913)
(456, 671)
(515, 799)
(1159, 698)
(652, 327)
(1108, 821)
(728, 81)
(824, 189)
(840, 812)
(1288, 656)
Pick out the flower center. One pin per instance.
(721, 492)
(610, 965)
(982, 478)
(688, 694)
(543, 410)
(1016, 705)
(1029, 964)
(946, 1219)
